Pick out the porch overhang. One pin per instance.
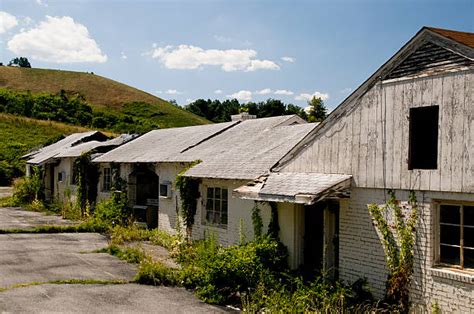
(299, 188)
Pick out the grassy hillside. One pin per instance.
(101, 93)
(19, 135)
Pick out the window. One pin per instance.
(456, 235)
(216, 206)
(165, 190)
(60, 176)
(107, 182)
(423, 146)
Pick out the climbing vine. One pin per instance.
(398, 241)
(274, 225)
(87, 176)
(189, 193)
(257, 221)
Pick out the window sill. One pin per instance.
(453, 274)
(214, 226)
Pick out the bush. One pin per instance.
(130, 254)
(221, 274)
(27, 189)
(111, 212)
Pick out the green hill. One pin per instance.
(19, 135)
(103, 94)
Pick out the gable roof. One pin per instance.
(247, 150)
(163, 145)
(464, 38)
(457, 42)
(78, 150)
(48, 152)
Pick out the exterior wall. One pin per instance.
(370, 139)
(358, 239)
(239, 215)
(64, 188)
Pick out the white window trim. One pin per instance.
(441, 269)
(204, 208)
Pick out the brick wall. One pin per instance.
(361, 253)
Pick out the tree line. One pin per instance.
(221, 111)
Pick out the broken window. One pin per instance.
(423, 146)
(216, 206)
(107, 182)
(456, 235)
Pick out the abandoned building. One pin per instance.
(408, 127)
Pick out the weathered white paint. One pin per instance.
(370, 142)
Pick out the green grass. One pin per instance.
(84, 227)
(101, 93)
(67, 282)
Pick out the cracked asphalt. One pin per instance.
(29, 259)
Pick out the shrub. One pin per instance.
(111, 212)
(221, 274)
(27, 189)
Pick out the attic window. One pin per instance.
(423, 146)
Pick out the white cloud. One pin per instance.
(243, 95)
(283, 92)
(306, 96)
(59, 40)
(346, 90)
(7, 21)
(187, 57)
(42, 3)
(123, 56)
(190, 100)
(27, 20)
(264, 91)
(218, 91)
(173, 92)
(288, 59)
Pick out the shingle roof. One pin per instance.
(163, 145)
(303, 188)
(247, 150)
(464, 38)
(78, 150)
(50, 151)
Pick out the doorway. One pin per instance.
(321, 240)
(143, 195)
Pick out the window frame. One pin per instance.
(221, 201)
(167, 184)
(437, 235)
(106, 184)
(413, 162)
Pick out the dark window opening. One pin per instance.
(423, 146)
(107, 182)
(456, 235)
(164, 190)
(60, 177)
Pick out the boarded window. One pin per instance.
(216, 206)
(107, 182)
(423, 149)
(456, 235)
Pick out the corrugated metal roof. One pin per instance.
(78, 150)
(464, 38)
(247, 150)
(303, 188)
(163, 145)
(50, 151)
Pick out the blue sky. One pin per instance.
(255, 50)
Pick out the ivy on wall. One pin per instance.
(398, 241)
(189, 193)
(87, 177)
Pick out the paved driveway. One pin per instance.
(16, 218)
(41, 258)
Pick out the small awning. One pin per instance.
(301, 188)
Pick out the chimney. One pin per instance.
(243, 116)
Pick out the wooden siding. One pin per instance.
(370, 141)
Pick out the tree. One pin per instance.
(22, 62)
(317, 110)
